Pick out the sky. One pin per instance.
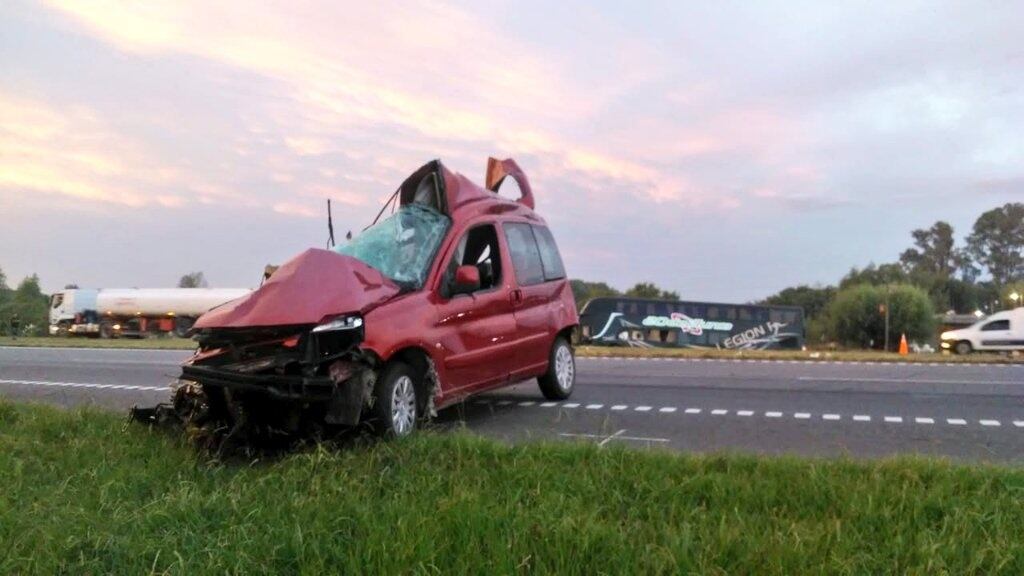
(724, 150)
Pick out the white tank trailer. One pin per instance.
(138, 312)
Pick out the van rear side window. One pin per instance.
(525, 255)
(549, 256)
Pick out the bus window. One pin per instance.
(745, 314)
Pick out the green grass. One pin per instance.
(79, 495)
(168, 343)
(812, 355)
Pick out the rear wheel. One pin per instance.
(963, 348)
(395, 403)
(560, 379)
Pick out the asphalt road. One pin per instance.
(972, 412)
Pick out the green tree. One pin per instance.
(651, 290)
(30, 305)
(193, 280)
(584, 291)
(875, 275)
(856, 315)
(997, 243)
(934, 252)
(812, 299)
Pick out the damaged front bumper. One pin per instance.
(294, 388)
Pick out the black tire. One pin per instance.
(963, 348)
(551, 385)
(396, 417)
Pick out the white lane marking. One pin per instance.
(608, 439)
(504, 402)
(667, 409)
(571, 405)
(548, 404)
(894, 419)
(619, 407)
(989, 422)
(744, 412)
(903, 380)
(830, 417)
(924, 420)
(610, 358)
(773, 414)
(956, 421)
(642, 408)
(1018, 423)
(595, 406)
(616, 436)
(86, 385)
(802, 415)
(693, 410)
(527, 403)
(861, 418)
(719, 412)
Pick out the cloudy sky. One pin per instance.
(724, 150)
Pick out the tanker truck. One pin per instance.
(133, 312)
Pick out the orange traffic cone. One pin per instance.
(904, 349)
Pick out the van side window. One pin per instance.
(549, 256)
(996, 325)
(526, 257)
(478, 247)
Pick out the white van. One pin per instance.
(1001, 331)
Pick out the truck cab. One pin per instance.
(1000, 332)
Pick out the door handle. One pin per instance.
(516, 297)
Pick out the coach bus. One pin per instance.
(642, 322)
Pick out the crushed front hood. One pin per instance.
(308, 288)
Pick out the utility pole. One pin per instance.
(885, 312)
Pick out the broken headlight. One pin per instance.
(348, 322)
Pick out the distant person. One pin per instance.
(15, 325)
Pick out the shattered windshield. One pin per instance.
(402, 246)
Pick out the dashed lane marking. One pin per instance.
(744, 412)
(989, 422)
(802, 415)
(861, 418)
(894, 419)
(956, 421)
(693, 410)
(667, 409)
(86, 385)
(719, 412)
(924, 420)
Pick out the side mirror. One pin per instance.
(467, 279)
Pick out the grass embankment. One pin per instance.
(810, 356)
(78, 342)
(79, 495)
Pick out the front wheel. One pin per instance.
(560, 379)
(395, 401)
(963, 348)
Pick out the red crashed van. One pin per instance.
(456, 292)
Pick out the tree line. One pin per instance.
(933, 275)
